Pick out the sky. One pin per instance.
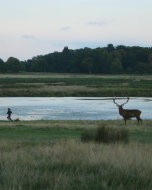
(37, 27)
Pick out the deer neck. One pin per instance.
(121, 110)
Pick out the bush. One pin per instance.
(106, 135)
(88, 135)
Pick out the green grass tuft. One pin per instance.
(105, 134)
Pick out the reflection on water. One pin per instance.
(70, 108)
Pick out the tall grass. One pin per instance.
(75, 85)
(43, 155)
(105, 134)
(75, 165)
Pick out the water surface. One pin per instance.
(70, 108)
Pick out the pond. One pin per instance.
(70, 108)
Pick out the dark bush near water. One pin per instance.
(106, 135)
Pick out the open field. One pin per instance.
(46, 155)
(44, 84)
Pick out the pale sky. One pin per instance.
(37, 27)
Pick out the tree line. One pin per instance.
(102, 60)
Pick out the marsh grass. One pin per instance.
(37, 84)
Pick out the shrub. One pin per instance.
(88, 135)
(106, 135)
(111, 135)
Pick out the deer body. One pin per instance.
(127, 113)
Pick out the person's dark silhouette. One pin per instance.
(9, 112)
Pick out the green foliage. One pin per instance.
(105, 60)
(12, 65)
(2, 66)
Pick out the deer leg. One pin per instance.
(139, 120)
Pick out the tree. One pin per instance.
(116, 66)
(110, 47)
(39, 64)
(13, 65)
(65, 49)
(105, 60)
(2, 66)
(87, 65)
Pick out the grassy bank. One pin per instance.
(48, 131)
(36, 84)
(38, 155)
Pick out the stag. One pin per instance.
(127, 113)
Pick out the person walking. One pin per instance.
(9, 112)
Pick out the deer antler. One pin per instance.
(125, 102)
(115, 101)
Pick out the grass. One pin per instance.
(73, 165)
(36, 84)
(51, 130)
(106, 135)
(44, 155)
(38, 155)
